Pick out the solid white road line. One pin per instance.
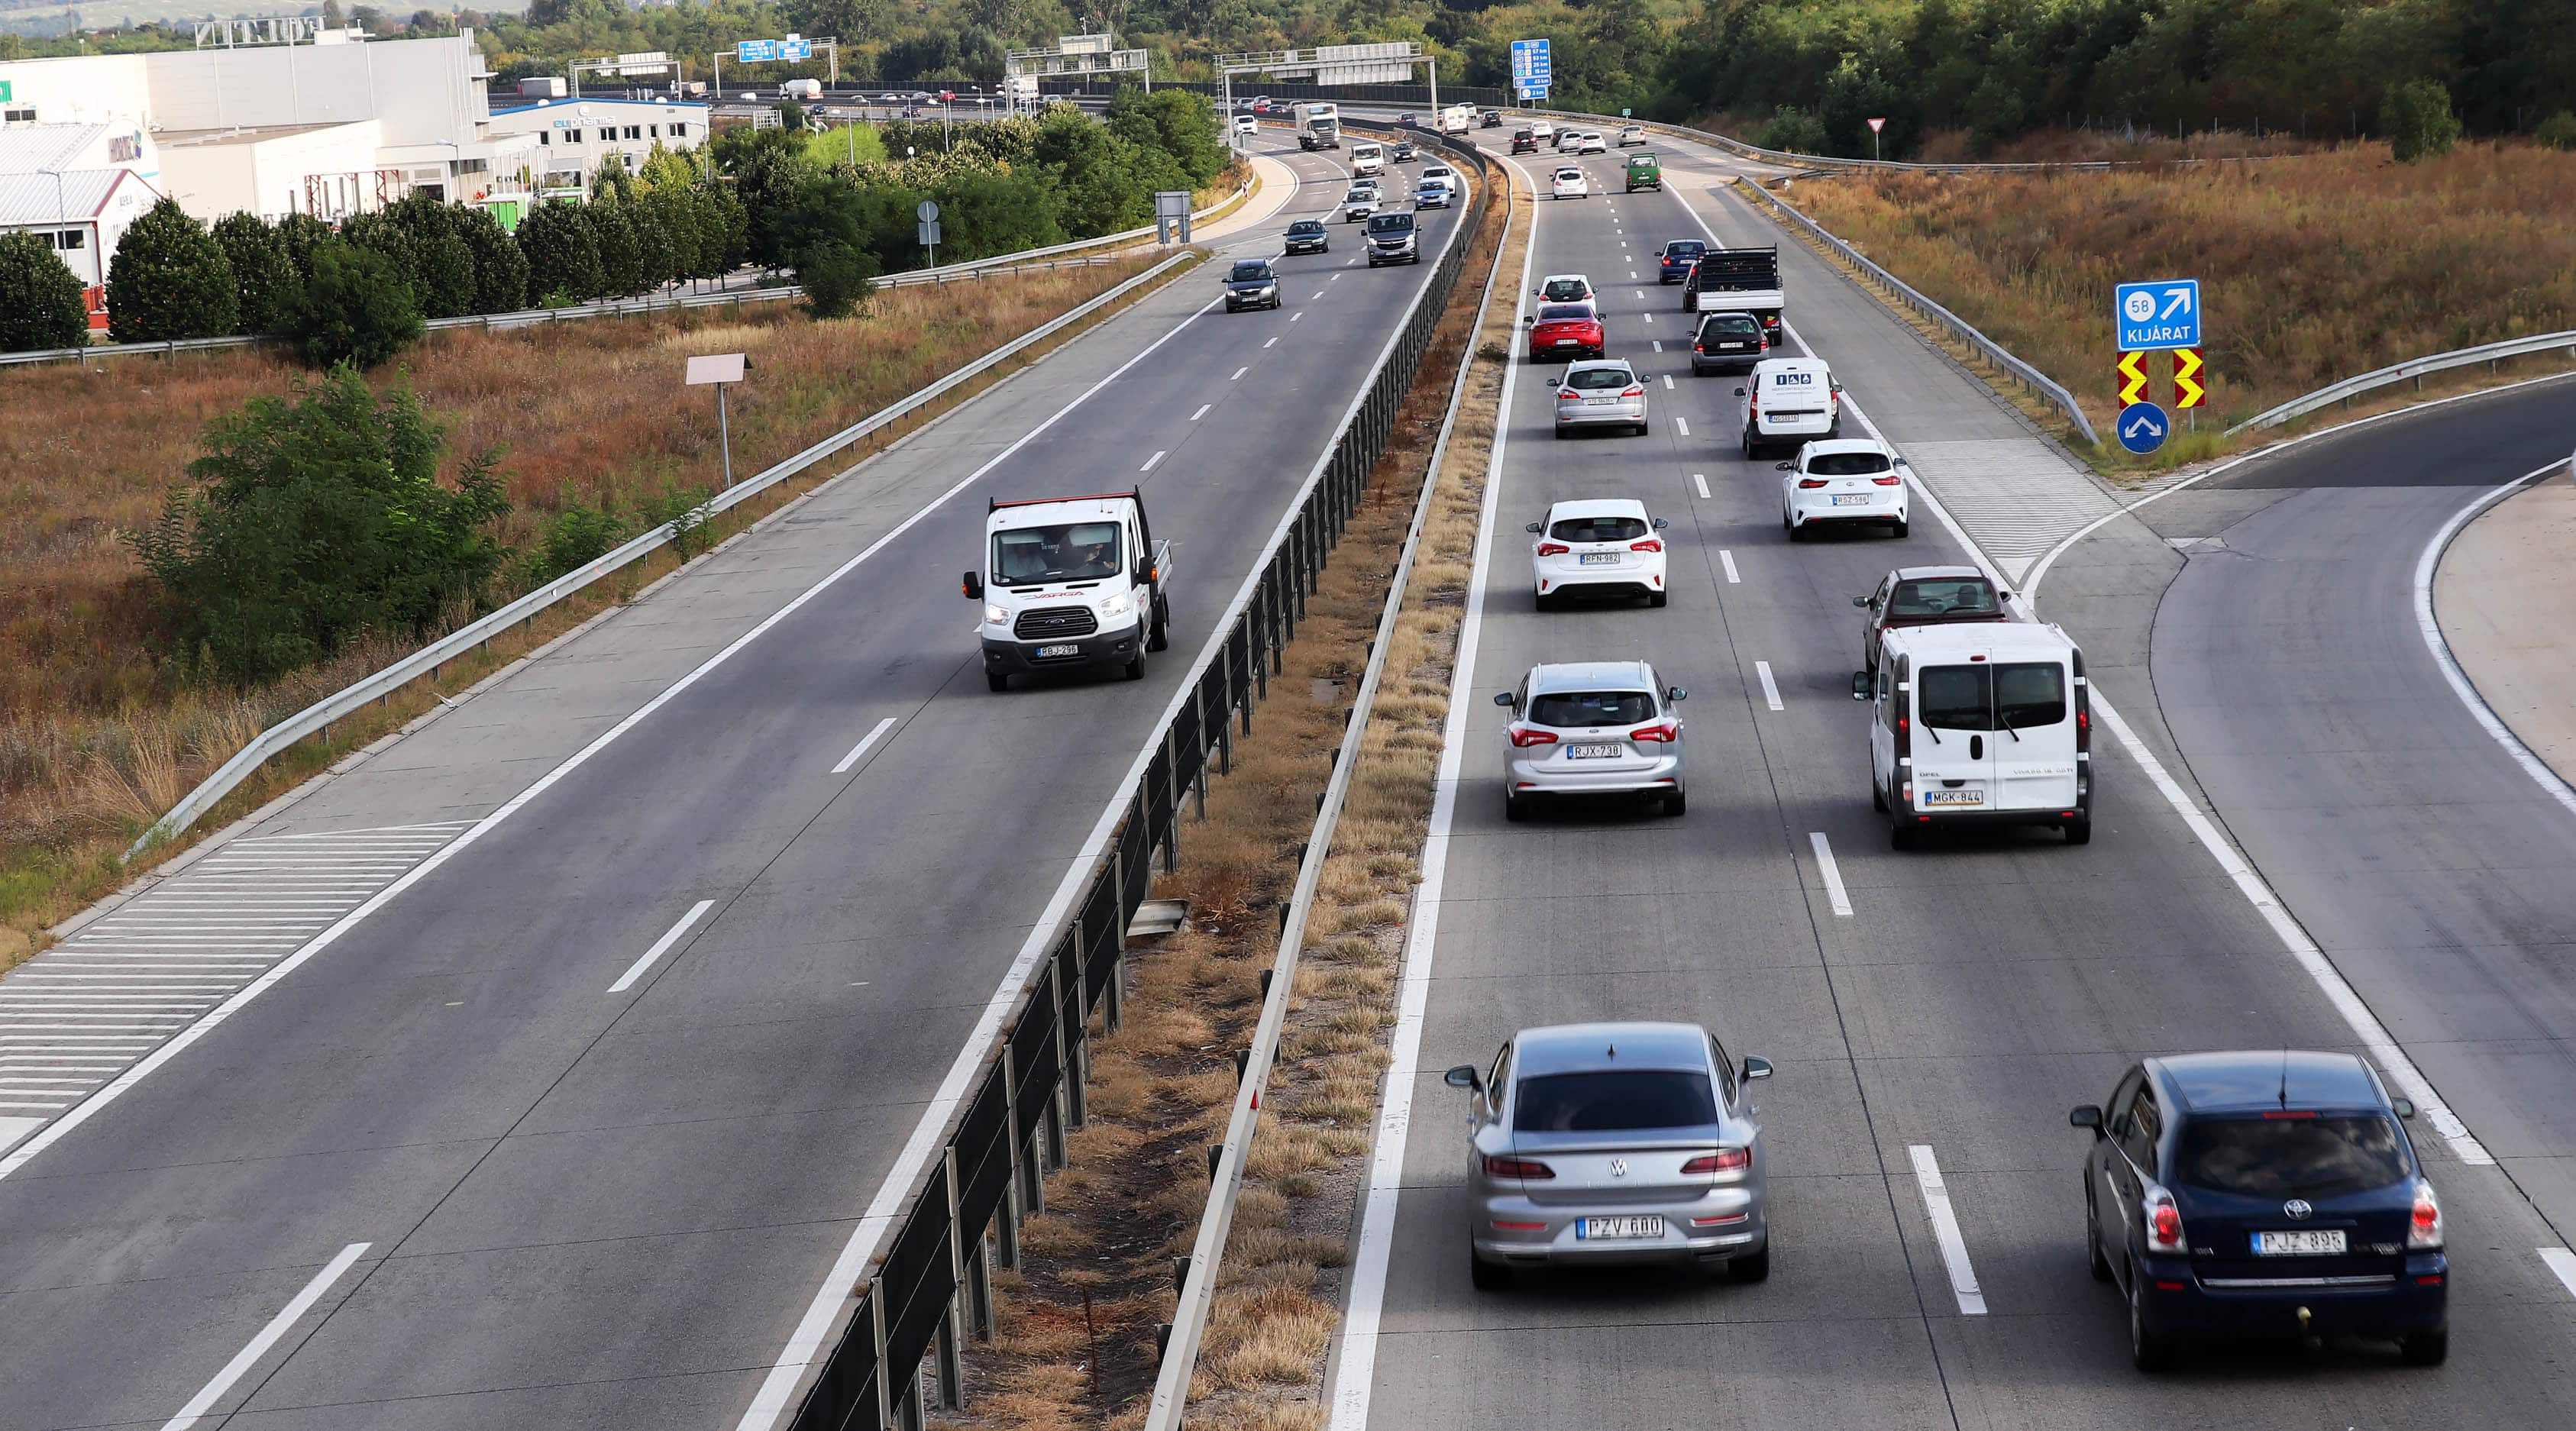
(1239, 372)
(871, 738)
(1945, 1230)
(661, 946)
(278, 1326)
(2425, 567)
(1770, 690)
(1355, 1368)
(1158, 456)
(1202, 412)
(1700, 480)
(2562, 1264)
(1833, 875)
(1726, 559)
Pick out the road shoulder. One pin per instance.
(2509, 615)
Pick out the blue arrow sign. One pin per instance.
(2143, 426)
(2164, 314)
(796, 49)
(754, 51)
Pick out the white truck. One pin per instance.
(1738, 280)
(1070, 584)
(1319, 126)
(801, 89)
(1458, 119)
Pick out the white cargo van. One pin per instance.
(1070, 583)
(1979, 725)
(1367, 159)
(1785, 402)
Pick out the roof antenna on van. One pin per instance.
(2285, 1077)
(1614, 1050)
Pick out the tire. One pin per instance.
(1488, 1276)
(2080, 832)
(1158, 637)
(995, 681)
(1135, 669)
(2425, 1348)
(1560, 434)
(1798, 532)
(2093, 1239)
(1899, 528)
(1655, 600)
(1541, 601)
(1900, 833)
(2148, 1351)
(1753, 1267)
(1675, 803)
(1515, 808)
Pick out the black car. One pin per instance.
(1251, 284)
(1402, 153)
(1309, 236)
(2265, 1192)
(1728, 341)
(1492, 119)
(1525, 141)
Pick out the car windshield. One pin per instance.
(1565, 289)
(1566, 710)
(2022, 695)
(1391, 224)
(1846, 464)
(1564, 312)
(1247, 272)
(1359, 196)
(1598, 529)
(1074, 551)
(1599, 378)
(1946, 596)
(1307, 226)
(1614, 1101)
(2290, 1157)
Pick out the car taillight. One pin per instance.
(2424, 1230)
(2083, 726)
(1753, 404)
(1810, 483)
(1904, 735)
(1525, 737)
(1888, 481)
(1498, 1167)
(1567, 393)
(1633, 390)
(1549, 549)
(2164, 1221)
(1662, 730)
(1724, 1160)
(1650, 544)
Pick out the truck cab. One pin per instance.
(1070, 583)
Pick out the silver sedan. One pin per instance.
(1591, 728)
(1604, 392)
(1610, 1144)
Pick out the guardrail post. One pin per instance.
(877, 1330)
(1172, 800)
(979, 1289)
(1225, 712)
(1116, 994)
(1006, 1226)
(952, 1371)
(1068, 1047)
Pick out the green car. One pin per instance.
(1645, 171)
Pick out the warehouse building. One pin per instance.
(575, 138)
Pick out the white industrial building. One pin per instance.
(78, 187)
(575, 138)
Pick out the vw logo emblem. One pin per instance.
(1618, 1167)
(2296, 1209)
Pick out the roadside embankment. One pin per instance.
(2508, 614)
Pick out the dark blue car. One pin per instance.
(1679, 257)
(2263, 1193)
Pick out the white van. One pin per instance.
(1367, 159)
(1786, 401)
(1989, 724)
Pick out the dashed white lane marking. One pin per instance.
(268, 1336)
(1682, 426)
(1336, 278)
(1632, 275)
(661, 946)
(1239, 372)
(1319, 292)
(1668, 382)
(1272, 339)
(1700, 480)
(1150, 461)
(1833, 875)
(1945, 1230)
(1649, 317)
(1770, 688)
(1300, 313)
(1659, 345)
(2562, 1264)
(880, 729)
(1202, 412)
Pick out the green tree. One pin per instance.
(562, 253)
(621, 257)
(724, 231)
(837, 278)
(982, 213)
(301, 234)
(358, 308)
(169, 280)
(1177, 122)
(40, 300)
(2418, 121)
(652, 247)
(1793, 130)
(264, 277)
(316, 518)
(500, 269)
(2558, 131)
(675, 215)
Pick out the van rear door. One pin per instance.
(2033, 760)
(1954, 753)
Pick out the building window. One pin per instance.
(634, 131)
(656, 129)
(73, 239)
(572, 136)
(543, 139)
(679, 129)
(17, 116)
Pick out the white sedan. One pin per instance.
(1844, 481)
(1607, 546)
(1569, 184)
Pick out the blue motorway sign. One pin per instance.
(2164, 314)
(754, 51)
(1532, 64)
(2143, 426)
(796, 49)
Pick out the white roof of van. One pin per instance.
(1994, 640)
(1790, 365)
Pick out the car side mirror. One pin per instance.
(1676, 694)
(1739, 392)
(2002, 595)
(1756, 1067)
(1532, 527)
(1464, 1076)
(1860, 685)
(1502, 698)
(1837, 387)
(2087, 1115)
(2402, 1107)
(1860, 601)
(1784, 466)
(1661, 523)
(1530, 322)
(972, 586)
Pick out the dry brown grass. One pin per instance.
(1166, 1077)
(99, 735)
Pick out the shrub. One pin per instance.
(837, 278)
(1793, 130)
(578, 535)
(2418, 121)
(301, 234)
(40, 301)
(562, 254)
(2558, 131)
(684, 511)
(319, 517)
(358, 308)
(500, 269)
(169, 280)
(264, 278)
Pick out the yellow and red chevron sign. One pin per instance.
(2133, 379)
(2187, 365)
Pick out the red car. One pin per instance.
(1567, 330)
(1925, 596)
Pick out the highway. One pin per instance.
(590, 1017)
(1934, 1014)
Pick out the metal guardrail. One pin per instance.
(931, 1285)
(617, 307)
(2416, 368)
(427, 660)
(1793, 159)
(1225, 1185)
(2029, 377)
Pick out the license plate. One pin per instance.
(1852, 499)
(1046, 651)
(1565, 342)
(1595, 752)
(1599, 559)
(2298, 1244)
(1954, 797)
(1598, 402)
(1589, 1228)
(1735, 347)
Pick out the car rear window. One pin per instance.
(1956, 697)
(1846, 464)
(2029, 695)
(2290, 1157)
(1564, 312)
(1946, 596)
(1599, 378)
(1568, 709)
(1598, 529)
(1685, 248)
(1735, 326)
(2020, 695)
(1563, 289)
(1569, 173)
(1614, 1101)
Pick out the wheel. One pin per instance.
(1488, 1276)
(1752, 1267)
(2080, 832)
(1785, 524)
(1136, 668)
(1900, 831)
(2148, 1351)
(1655, 599)
(2093, 1238)
(1877, 797)
(996, 681)
(2426, 1348)
(1514, 807)
(1560, 433)
(1541, 601)
(1158, 637)
(1899, 527)
(1675, 803)
(1798, 532)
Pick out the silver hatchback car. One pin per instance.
(1604, 392)
(1592, 728)
(1611, 1144)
